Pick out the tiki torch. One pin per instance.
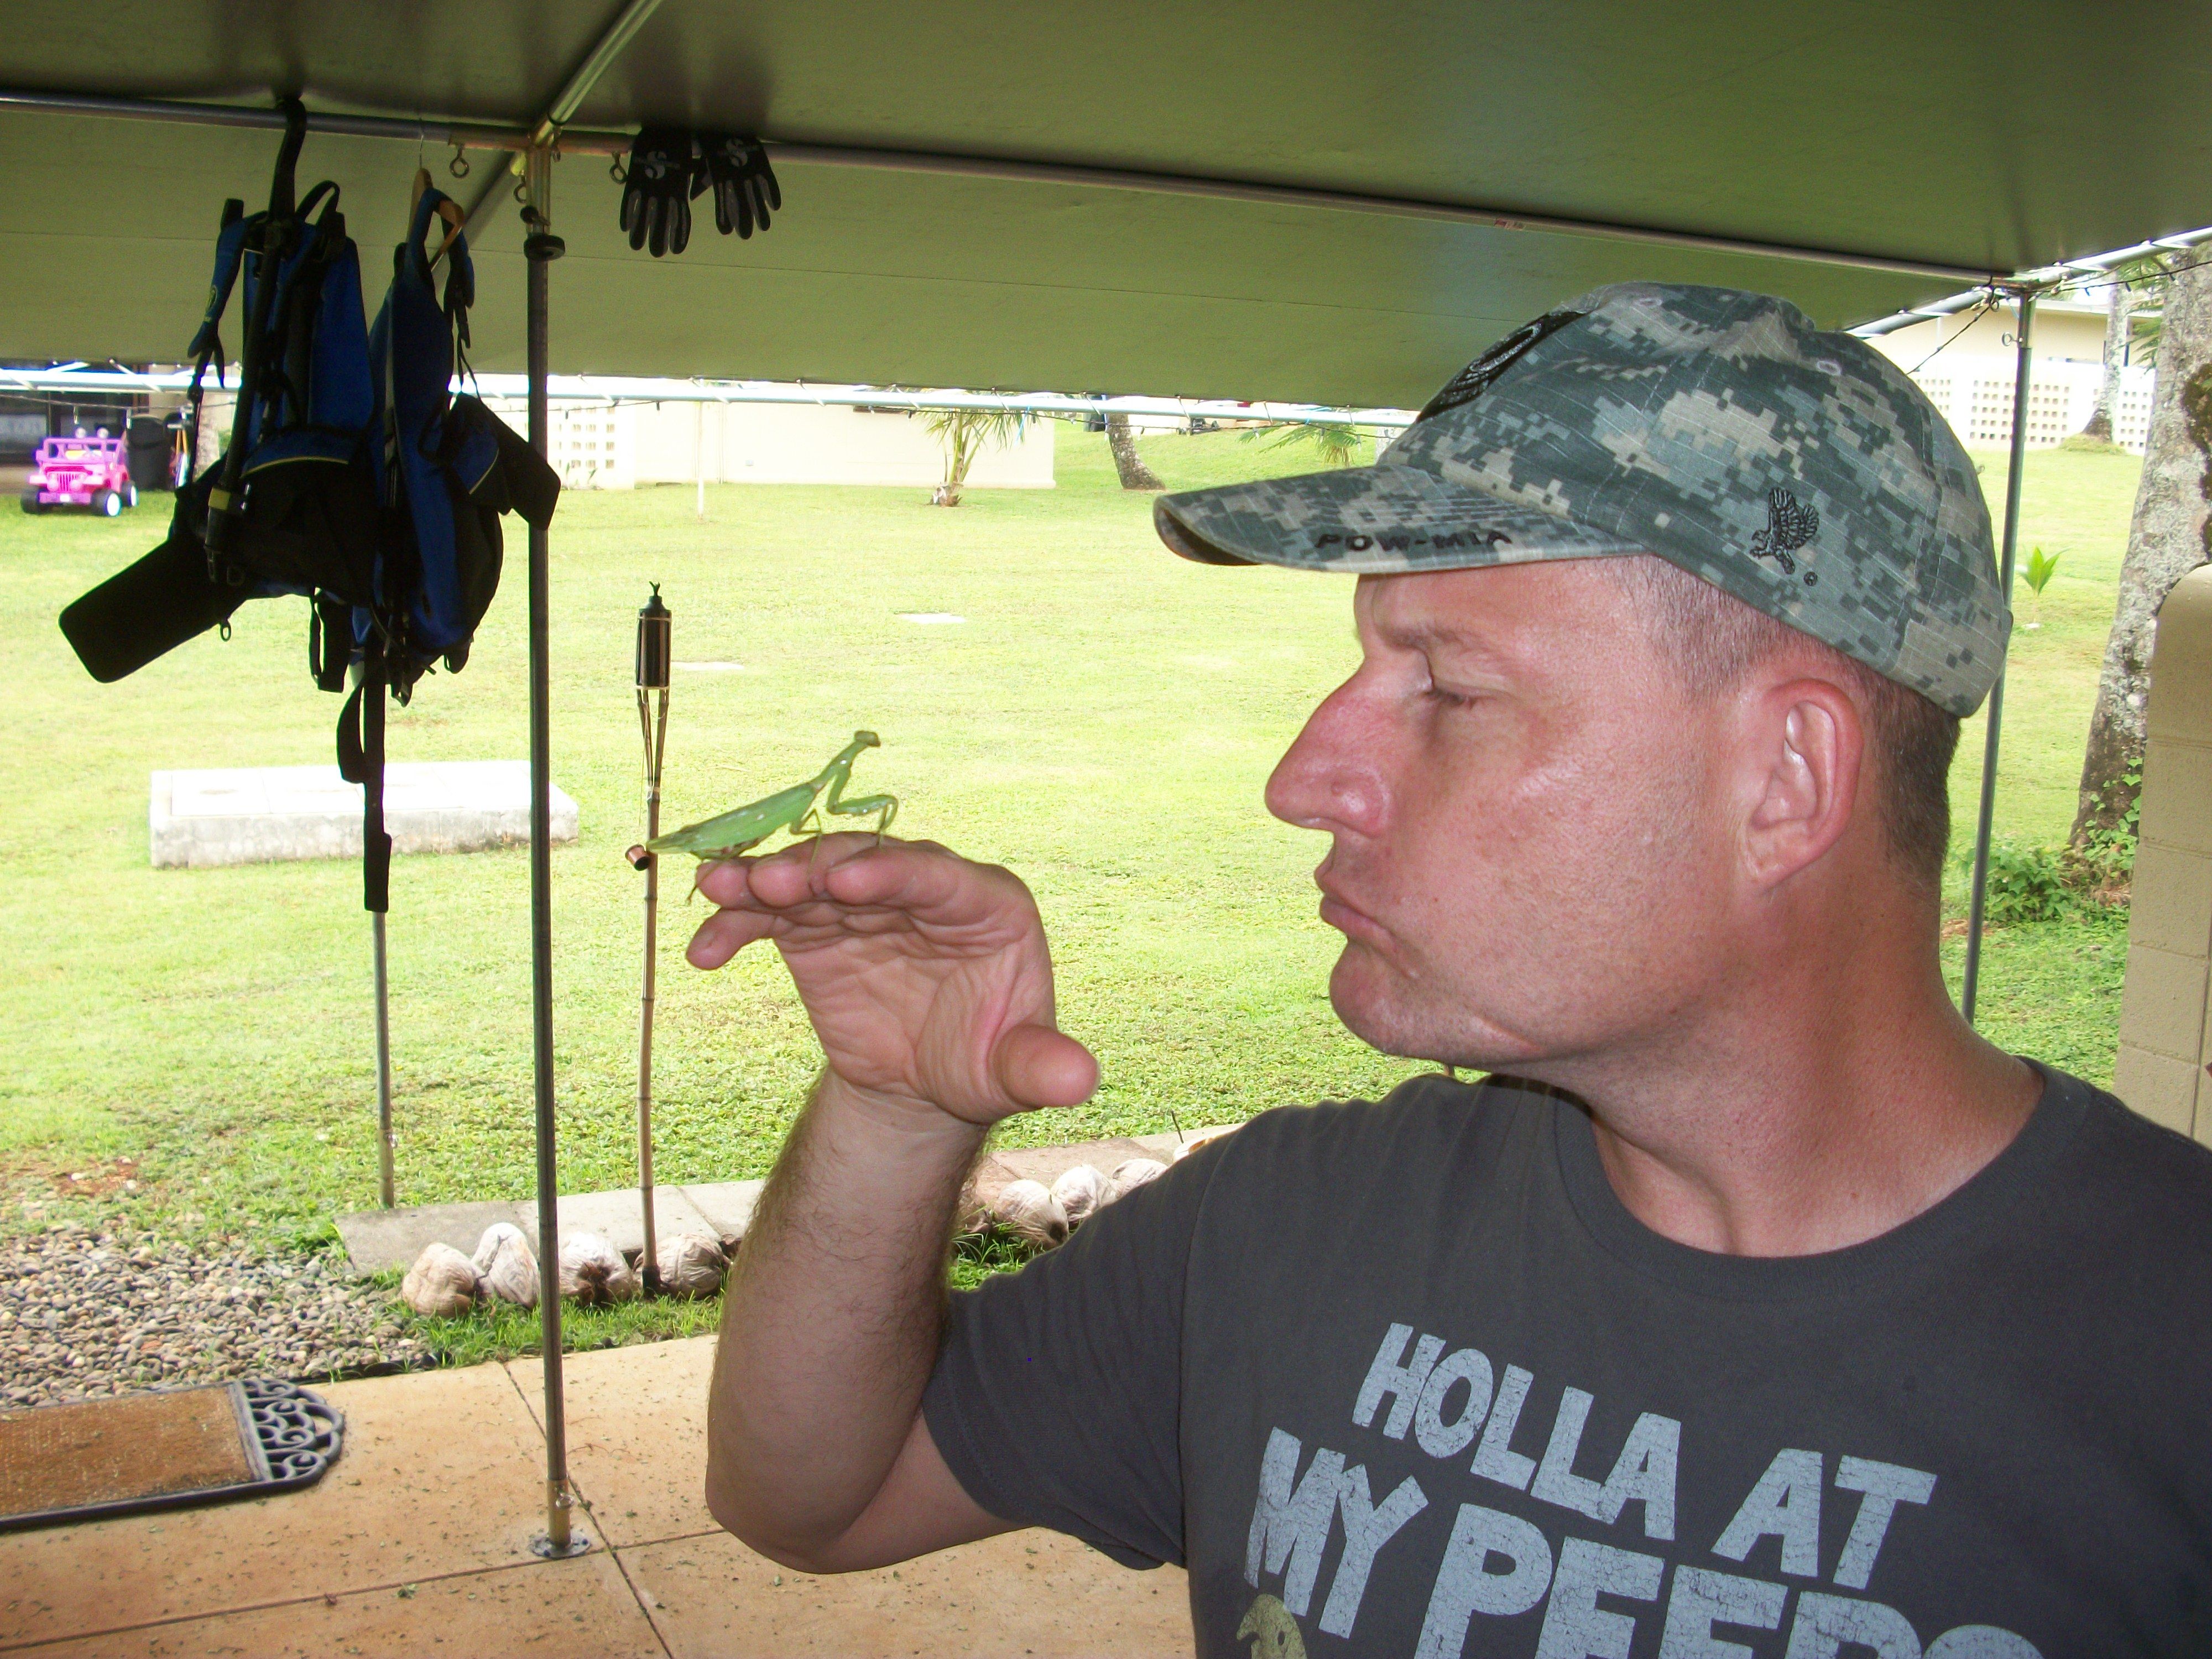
(654, 623)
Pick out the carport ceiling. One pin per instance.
(1943, 134)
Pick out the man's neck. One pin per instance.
(1751, 1133)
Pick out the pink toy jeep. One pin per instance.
(82, 471)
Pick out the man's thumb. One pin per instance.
(1037, 1066)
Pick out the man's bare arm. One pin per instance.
(927, 980)
(817, 1455)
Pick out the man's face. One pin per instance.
(1532, 849)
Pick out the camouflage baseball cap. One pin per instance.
(1798, 471)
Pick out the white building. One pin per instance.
(1967, 364)
(622, 446)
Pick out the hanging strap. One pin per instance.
(278, 230)
(230, 252)
(330, 641)
(207, 344)
(361, 760)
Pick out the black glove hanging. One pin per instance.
(656, 208)
(745, 185)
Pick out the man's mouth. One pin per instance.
(1346, 917)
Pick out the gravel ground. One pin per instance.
(85, 1311)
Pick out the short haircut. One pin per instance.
(1714, 639)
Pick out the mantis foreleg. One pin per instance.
(858, 807)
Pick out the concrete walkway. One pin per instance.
(417, 1542)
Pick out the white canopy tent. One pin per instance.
(1337, 206)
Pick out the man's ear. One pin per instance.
(1806, 754)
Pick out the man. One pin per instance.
(1755, 1306)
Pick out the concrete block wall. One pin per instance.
(2166, 1036)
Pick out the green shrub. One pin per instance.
(2027, 884)
(2104, 860)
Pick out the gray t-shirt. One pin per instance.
(1408, 1378)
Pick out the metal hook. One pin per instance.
(617, 170)
(459, 166)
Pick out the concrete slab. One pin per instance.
(1029, 1593)
(576, 1609)
(442, 1474)
(378, 1240)
(618, 1217)
(252, 815)
(637, 1435)
(1046, 1163)
(727, 1205)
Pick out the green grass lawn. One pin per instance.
(1103, 723)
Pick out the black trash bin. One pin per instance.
(151, 442)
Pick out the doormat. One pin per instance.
(163, 1449)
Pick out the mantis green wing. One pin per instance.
(735, 831)
(741, 828)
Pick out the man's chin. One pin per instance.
(1372, 1008)
(1382, 1010)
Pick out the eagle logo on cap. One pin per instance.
(1789, 524)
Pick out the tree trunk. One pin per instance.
(1134, 474)
(959, 452)
(218, 410)
(2120, 305)
(2167, 539)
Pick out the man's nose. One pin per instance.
(1332, 777)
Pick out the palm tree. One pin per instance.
(1337, 441)
(1128, 465)
(965, 433)
(2131, 286)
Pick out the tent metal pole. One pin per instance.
(464, 133)
(1977, 904)
(547, 133)
(579, 141)
(539, 250)
(586, 76)
(383, 1182)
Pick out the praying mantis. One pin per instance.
(795, 809)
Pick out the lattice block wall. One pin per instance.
(1975, 394)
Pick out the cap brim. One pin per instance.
(1369, 520)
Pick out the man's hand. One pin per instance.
(928, 981)
(927, 976)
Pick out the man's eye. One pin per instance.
(1443, 699)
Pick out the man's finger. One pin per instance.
(800, 872)
(1037, 1066)
(725, 881)
(725, 933)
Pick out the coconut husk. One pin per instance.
(973, 1212)
(1028, 1210)
(691, 1264)
(593, 1270)
(507, 1266)
(1131, 1174)
(1080, 1190)
(442, 1283)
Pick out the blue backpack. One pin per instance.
(352, 477)
(450, 465)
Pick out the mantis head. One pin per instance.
(866, 740)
